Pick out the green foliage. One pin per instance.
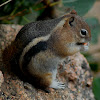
(29, 17)
(14, 6)
(94, 67)
(95, 28)
(93, 64)
(81, 6)
(96, 88)
(24, 11)
(19, 11)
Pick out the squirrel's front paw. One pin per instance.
(57, 85)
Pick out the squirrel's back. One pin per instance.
(36, 29)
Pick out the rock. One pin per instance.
(74, 72)
(1, 82)
(1, 78)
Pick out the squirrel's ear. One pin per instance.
(73, 12)
(71, 20)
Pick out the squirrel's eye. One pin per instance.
(83, 32)
(71, 20)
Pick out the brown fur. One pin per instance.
(44, 79)
(10, 50)
(73, 12)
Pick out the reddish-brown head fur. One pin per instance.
(70, 34)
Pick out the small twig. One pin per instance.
(10, 17)
(39, 1)
(50, 5)
(5, 3)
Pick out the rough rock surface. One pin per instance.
(1, 79)
(74, 72)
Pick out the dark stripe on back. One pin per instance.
(41, 46)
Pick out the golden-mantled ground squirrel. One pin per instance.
(41, 45)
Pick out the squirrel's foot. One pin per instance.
(57, 85)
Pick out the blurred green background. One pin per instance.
(25, 11)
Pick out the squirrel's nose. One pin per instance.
(83, 32)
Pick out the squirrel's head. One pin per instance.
(73, 34)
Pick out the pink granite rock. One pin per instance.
(1, 78)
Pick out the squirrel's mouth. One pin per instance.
(84, 44)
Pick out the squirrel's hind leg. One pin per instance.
(43, 81)
(49, 80)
